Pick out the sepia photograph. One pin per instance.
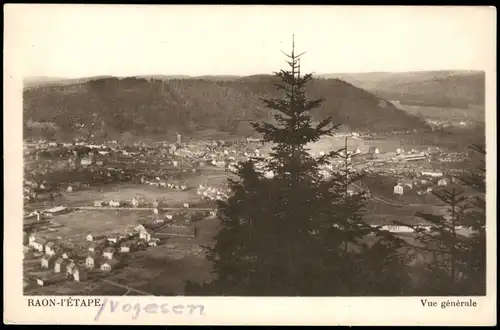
(262, 151)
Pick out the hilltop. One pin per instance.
(150, 105)
(454, 89)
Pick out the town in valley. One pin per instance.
(162, 158)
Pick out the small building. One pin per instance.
(92, 261)
(79, 274)
(154, 242)
(69, 189)
(185, 205)
(114, 239)
(40, 281)
(108, 253)
(56, 210)
(406, 183)
(443, 182)
(139, 228)
(125, 247)
(59, 265)
(31, 239)
(39, 244)
(398, 189)
(47, 261)
(49, 248)
(109, 265)
(135, 202)
(90, 237)
(145, 235)
(99, 203)
(69, 268)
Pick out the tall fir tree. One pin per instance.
(286, 230)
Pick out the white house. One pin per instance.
(155, 211)
(91, 261)
(47, 261)
(59, 265)
(49, 248)
(79, 274)
(108, 253)
(113, 203)
(38, 244)
(69, 189)
(69, 268)
(108, 265)
(145, 235)
(90, 238)
(154, 242)
(398, 189)
(114, 239)
(138, 228)
(443, 182)
(185, 205)
(169, 216)
(135, 202)
(125, 247)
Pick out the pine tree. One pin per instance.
(474, 258)
(286, 230)
(265, 245)
(459, 260)
(348, 224)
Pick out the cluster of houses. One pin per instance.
(103, 253)
(213, 193)
(424, 183)
(158, 182)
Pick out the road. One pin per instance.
(129, 289)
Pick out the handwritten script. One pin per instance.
(136, 309)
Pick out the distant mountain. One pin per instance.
(155, 106)
(454, 89)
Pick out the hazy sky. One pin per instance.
(88, 40)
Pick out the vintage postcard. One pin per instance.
(249, 165)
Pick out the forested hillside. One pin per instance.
(455, 89)
(152, 106)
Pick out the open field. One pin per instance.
(384, 145)
(380, 213)
(474, 113)
(101, 222)
(127, 191)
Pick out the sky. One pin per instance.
(89, 40)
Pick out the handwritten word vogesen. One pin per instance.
(135, 309)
